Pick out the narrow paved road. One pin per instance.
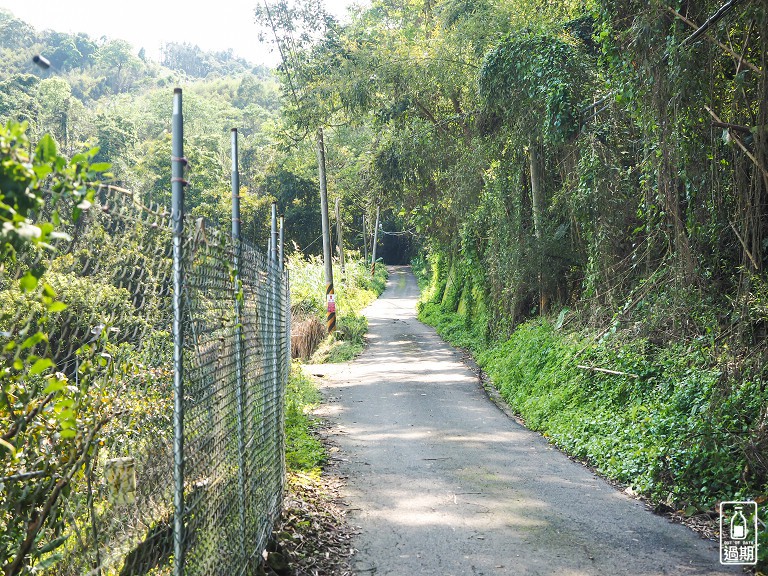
(442, 482)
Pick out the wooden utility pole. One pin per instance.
(339, 235)
(330, 297)
(365, 243)
(375, 239)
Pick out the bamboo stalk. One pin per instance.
(744, 245)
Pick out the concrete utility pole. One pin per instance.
(329, 294)
(339, 235)
(375, 240)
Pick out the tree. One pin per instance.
(116, 61)
(62, 51)
(298, 198)
(54, 96)
(535, 83)
(40, 411)
(15, 33)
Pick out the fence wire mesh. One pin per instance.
(90, 463)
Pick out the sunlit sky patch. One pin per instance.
(212, 25)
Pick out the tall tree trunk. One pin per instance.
(339, 235)
(538, 204)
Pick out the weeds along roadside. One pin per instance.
(355, 289)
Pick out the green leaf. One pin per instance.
(57, 307)
(54, 386)
(41, 365)
(28, 282)
(41, 171)
(100, 166)
(561, 319)
(32, 340)
(46, 149)
(52, 545)
(47, 563)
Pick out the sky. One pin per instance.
(211, 24)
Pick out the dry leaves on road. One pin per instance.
(312, 534)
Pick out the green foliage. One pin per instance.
(346, 343)
(22, 184)
(299, 198)
(50, 424)
(103, 95)
(194, 61)
(532, 79)
(657, 426)
(303, 451)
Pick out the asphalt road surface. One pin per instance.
(442, 482)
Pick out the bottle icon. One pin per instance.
(738, 525)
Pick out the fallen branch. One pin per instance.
(741, 145)
(735, 127)
(606, 371)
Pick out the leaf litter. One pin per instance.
(312, 537)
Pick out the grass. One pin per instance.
(354, 290)
(303, 451)
(346, 343)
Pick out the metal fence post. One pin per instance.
(178, 163)
(281, 250)
(274, 274)
(273, 245)
(240, 388)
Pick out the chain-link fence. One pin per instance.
(137, 457)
